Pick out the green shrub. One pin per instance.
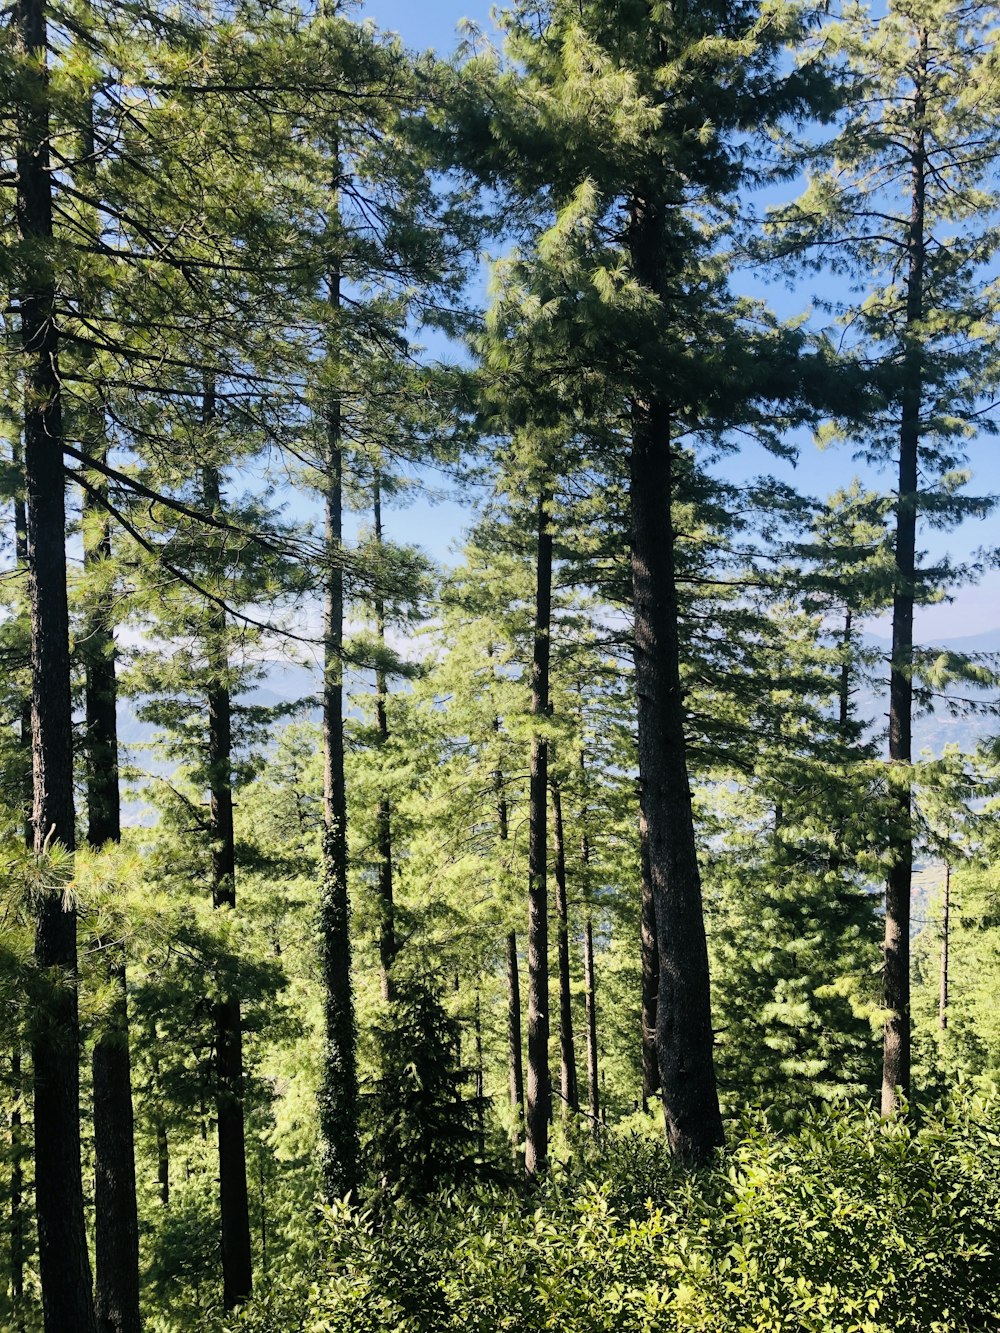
(847, 1226)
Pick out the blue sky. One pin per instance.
(427, 23)
(433, 23)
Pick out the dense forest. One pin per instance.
(570, 931)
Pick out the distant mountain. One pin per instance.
(946, 724)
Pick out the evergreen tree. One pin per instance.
(902, 193)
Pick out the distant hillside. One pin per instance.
(945, 725)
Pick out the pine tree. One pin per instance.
(628, 265)
(65, 1265)
(901, 193)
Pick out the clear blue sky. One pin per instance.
(427, 23)
(433, 23)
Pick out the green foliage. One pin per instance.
(847, 1226)
(418, 1127)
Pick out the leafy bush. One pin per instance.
(847, 1226)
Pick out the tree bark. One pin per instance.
(684, 1036)
(589, 976)
(480, 1081)
(237, 1264)
(539, 1100)
(17, 1237)
(945, 943)
(567, 1052)
(18, 1247)
(162, 1146)
(515, 1067)
(64, 1263)
(590, 997)
(116, 1221)
(338, 1095)
(844, 718)
(383, 813)
(650, 958)
(896, 974)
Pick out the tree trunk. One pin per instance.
(684, 1036)
(567, 1052)
(237, 1265)
(589, 977)
(383, 814)
(18, 1219)
(590, 997)
(515, 1068)
(64, 1263)
(945, 941)
(338, 1094)
(539, 1089)
(17, 1237)
(116, 1222)
(480, 1081)
(896, 975)
(650, 971)
(845, 673)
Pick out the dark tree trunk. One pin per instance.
(116, 1222)
(945, 942)
(896, 974)
(590, 997)
(237, 1264)
(539, 1101)
(383, 813)
(515, 1068)
(160, 1124)
(338, 1095)
(17, 1150)
(844, 718)
(589, 975)
(567, 1052)
(480, 1081)
(650, 956)
(64, 1263)
(17, 1237)
(684, 1036)
(162, 1163)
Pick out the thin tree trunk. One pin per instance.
(845, 673)
(589, 975)
(684, 1036)
(480, 1081)
(539, 1098)
(945, 941)
(18, 1246)
(64, 1263)
(590, 997)
(567, 1052)
(116, 1224)
(383, 814)
(650, 957)
(162, 1163)
(896, 974)
(237, 1264)
(338, 1094)
(116, 1220)
(17, 1237)
(515, 1068)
